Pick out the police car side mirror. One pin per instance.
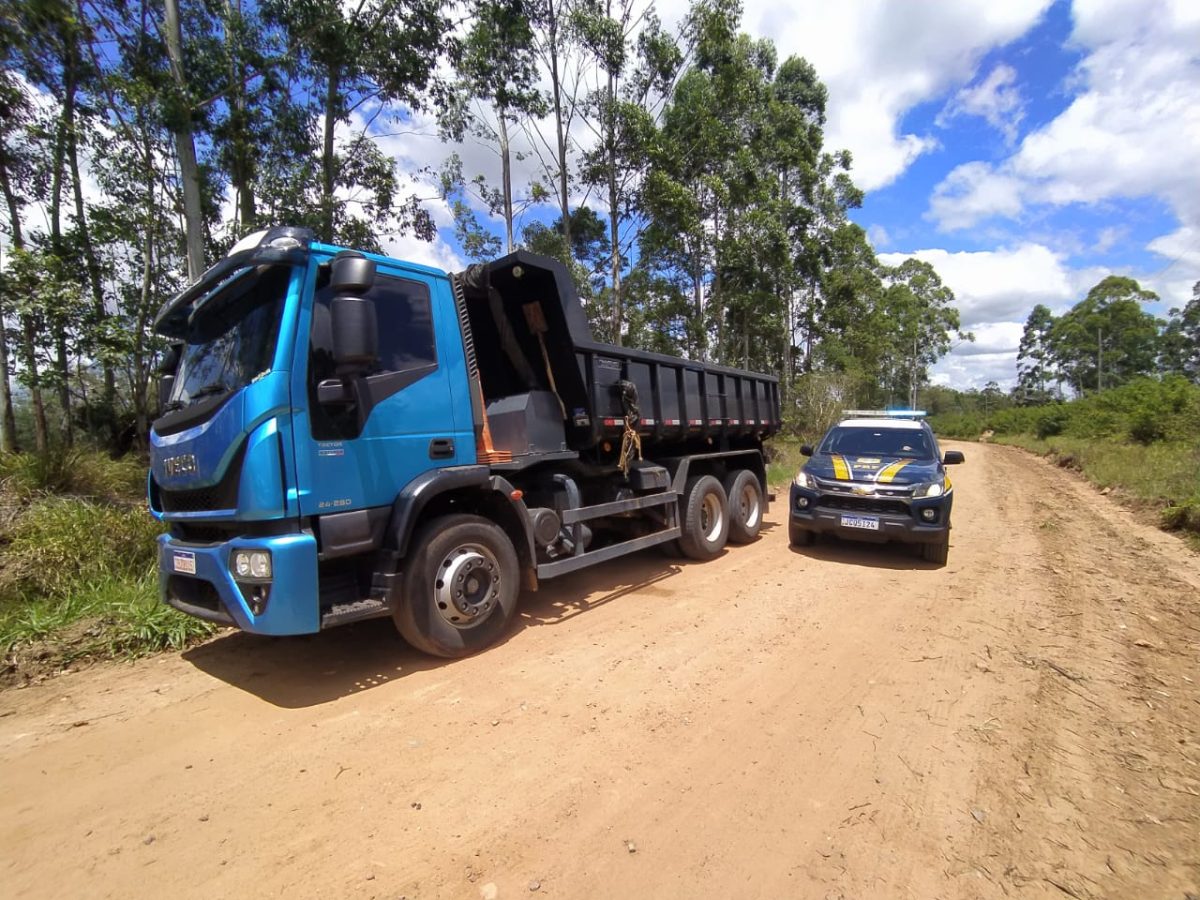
(953, 458)
(806, 450)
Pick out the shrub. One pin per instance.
(59, 542)
(74, 471)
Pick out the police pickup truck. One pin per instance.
(876, 476)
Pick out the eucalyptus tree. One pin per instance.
(497, 65)
(355, 62)
(923, 323)
(1035, 356)
(636, 62)
(1107, 338)
(1181, 339)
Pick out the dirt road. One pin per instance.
(840, 722)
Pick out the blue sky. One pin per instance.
(1026, 148)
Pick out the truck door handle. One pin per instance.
(441, 448)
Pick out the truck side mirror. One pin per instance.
(166, 384)
(166, 371)
(953, 458)
(806, 450)
(355, 333)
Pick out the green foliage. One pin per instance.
(57, 544)
(1145, 411)
(1165, 474)
(72, 470)
(103, 618)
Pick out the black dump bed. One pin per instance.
(527, 333)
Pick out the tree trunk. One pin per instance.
(185, 147)
(241, 168)
(328, 163)
(556, 95)
(8, 422)
(58, 322)
(506, 176)
(41, 433)
(614, 211)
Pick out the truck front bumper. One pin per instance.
(196, 579)
(908, 527)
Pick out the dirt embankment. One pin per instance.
(845, 721)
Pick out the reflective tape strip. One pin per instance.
(841, 471)
(891, 470)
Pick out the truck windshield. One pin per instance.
(908, 443)
(231, 337)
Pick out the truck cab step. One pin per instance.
(342, 613)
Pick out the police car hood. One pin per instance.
(873, 469)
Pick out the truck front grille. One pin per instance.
(222, 495)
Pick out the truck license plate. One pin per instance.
(185, 562)
(870, 523)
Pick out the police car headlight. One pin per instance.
(804, 480)
(933, 489)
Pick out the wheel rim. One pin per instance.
(750, 507)
(466, 589)
(712, 517)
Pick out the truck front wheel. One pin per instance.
(705, 518)
(745, 506)
(459, 588)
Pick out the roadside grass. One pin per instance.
(783, 460)
(77, 554)
(1164, 475)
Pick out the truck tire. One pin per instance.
(745, 506)
(936, 553)
(705, 518)
(800, 537)
(459, 588)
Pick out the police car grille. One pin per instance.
(865, 504)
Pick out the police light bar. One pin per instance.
(885, 413)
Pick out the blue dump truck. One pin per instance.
(345, 436)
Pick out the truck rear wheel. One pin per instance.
(459, 588)
(705, 518)
(745, 506)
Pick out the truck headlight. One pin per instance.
(933, 489)
(252, 564)
(804, 480)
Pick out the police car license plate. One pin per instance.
(870, 523)
(184, 562)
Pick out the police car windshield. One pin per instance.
(906, 443)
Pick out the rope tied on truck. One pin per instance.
(631, 441)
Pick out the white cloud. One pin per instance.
(994, 292)
(436, 253)
(1132, 130)
(1001, 285)
(880, 59)
(879, 237)
(972, 192)
(996, 99)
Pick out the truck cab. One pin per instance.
(328, 415)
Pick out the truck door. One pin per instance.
(349, 461)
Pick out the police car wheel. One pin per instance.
(800, 537)
(745, 506)
(459, 588)
(936, 553)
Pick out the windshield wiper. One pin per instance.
(215, 387)
(173, 406)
